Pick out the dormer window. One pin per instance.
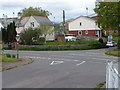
(32, 24)
(80, 23)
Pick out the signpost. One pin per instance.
(17, 39)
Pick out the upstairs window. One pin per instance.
(32, 24)
(80, 23)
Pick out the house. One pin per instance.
(5, 21)
(83, 26)
(29, 22)
(1, 26)
(33, 22)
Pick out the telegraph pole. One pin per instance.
(63, 19)
(87, 11)
(64, 24)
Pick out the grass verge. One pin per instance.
(99, 86)
(4, 58)
(115, 52)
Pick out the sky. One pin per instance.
(73, 8)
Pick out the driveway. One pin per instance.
(58, 69)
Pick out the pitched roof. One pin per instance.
(43, 20)
(23, 21)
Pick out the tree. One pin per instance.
(4, 35)
(45, 29)
(108, 15)
(29, 35)
(34, 11)
(9, 33)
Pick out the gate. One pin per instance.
(112, 75)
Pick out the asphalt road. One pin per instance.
(58, 69)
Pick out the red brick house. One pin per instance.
(84, 26)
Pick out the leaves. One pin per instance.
(34, 11)
(28, 35)
(108, 15)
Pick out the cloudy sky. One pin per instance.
(73, 8)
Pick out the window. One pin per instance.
(96, 23)
(86, 32)
(80, 32)
(32, 24)
(80, 24)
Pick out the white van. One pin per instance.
(70, 37)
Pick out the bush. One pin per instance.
(29, 36)
(98, 46)
(8, 55)
(13, 56)
(101, 40)
(41, 40)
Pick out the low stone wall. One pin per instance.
(54, 46)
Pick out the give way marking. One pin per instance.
(56, 62)
(81, 63)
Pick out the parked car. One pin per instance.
(111, 43)
(70, 37)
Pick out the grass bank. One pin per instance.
(8, 58)
(115, 52)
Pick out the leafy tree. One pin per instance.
(108, 15)
(45, 29)
(34, 11)
(29, 35)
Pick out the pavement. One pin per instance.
(58, 69)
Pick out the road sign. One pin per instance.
(17, 39)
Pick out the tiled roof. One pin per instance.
(43, 20)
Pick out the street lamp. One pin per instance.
(17, 39)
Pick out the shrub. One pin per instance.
(101, 40)
(8, 55)
(13, 56)
(41, 40)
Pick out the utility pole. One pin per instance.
(64, 24)
(86, 11)
(13, 16)
(63, 19)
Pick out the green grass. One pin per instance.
(115, 52)
(99, 86)
(116, 39)
(4, 58)
(71, 43)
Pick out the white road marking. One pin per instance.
(81, 63)
(99, 59)
(102, 59)
(56, 62)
